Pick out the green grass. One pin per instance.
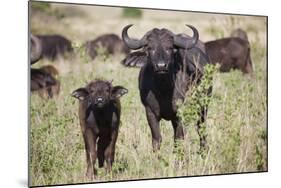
(236, 124)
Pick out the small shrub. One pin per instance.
(41, 6)
(132, 13)
(197, 97)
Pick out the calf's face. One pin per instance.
(99, 93)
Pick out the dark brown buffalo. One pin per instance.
(111, 43)
(35, 49)
(50, 69)
(54, 46)
(43, 81)
(230, 53)
(170, 64)
(239, 33)
(99, 114)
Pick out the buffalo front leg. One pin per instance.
(178, 135)
(178, 129)
(91, 154)
(153, 123)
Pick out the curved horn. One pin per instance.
(187, 43)
(131, 43)
(36, 49)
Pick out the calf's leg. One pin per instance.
(102, 144)
(110, 150)
(91, 154)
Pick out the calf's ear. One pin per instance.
(80, 93)
(118, 91)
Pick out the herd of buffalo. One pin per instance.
(169, 64)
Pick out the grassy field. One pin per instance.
(236, 123)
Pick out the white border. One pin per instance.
(13, 99)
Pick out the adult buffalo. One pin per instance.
(111, 43)
(54, 46)
(230, 53)
(170, 65)
(44, 82)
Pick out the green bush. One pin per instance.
(132, 13)
(198, 97)
(40, 6)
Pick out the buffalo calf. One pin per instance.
(99, 114)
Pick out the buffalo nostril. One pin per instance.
(162, 65)
(99, 99)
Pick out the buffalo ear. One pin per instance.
(80, 93)
(118, 91)
(135, 59)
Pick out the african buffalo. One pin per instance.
(43, 81)
(111, 43)
(239, 33)
(54, 46)
(99, 114)
(170, 65)
(230, 53)
(35, 49)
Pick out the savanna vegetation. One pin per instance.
(236, 125)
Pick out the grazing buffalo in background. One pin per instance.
(239, 33)
(54, 46)
(171, 64)
(35, 49)
(99, 114)
(50, 70)
(230, 53)
(111, 43)
(43, 81)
